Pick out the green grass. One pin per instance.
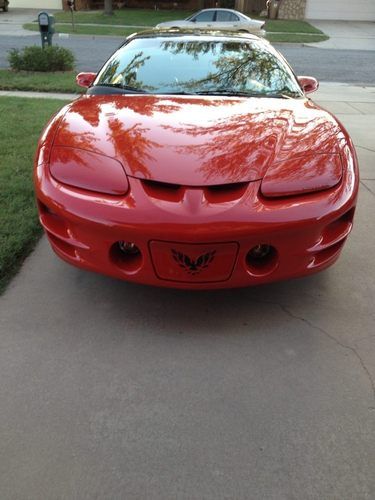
(295, 38)
(282, 30)
(291, 26)
(279, 30)
(21, 122)
(42, 82)
(132, 17)
(87, 30)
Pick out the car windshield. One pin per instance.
(186, 65)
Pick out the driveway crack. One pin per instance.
(367, 188)
(331, 337)
(334, 339)
(367, 149)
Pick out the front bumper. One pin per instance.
(306, 233)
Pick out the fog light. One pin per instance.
(128, 248)
(259, 251)
(127, 256)
(262, 259)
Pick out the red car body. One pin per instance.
(210, 182)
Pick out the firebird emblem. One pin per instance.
(192, 266)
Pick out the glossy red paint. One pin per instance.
(305, 174)
(83, 169)
(197, 141)
(195, 167)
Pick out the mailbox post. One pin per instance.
(71, 5)
(46, 27)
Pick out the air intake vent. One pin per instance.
(225, 192)
(214, 194)
(163, 190)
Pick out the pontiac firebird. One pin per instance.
(195, 160)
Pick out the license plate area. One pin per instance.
(193, 262)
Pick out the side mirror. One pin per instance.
(308, 84)
(85, 79)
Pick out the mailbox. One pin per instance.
(46, 27)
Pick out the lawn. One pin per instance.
(282, 30)
(147, 17)
(21, 122)
(130, 17)
(278, 30)
(87, 30)
(295, 38)
(43, 82)
(290, 26)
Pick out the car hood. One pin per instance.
(193, 140)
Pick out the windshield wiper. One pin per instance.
(280, 95)
(211, 92)
(123, 87)
(177, 92)
(241, 93)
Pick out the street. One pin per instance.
(353, 66)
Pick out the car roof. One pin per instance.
(233, 11)
(196, 33)
(219, 8)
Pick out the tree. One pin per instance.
(108, 7)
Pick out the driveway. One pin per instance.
(11, 22)
(113, 390)
(346, 35)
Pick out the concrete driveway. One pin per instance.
(11, 22)
(346, 35)
(112, 390)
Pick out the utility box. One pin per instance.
(46, 27)
(273, 9)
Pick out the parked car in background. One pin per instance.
(220, 19)
(4, 5)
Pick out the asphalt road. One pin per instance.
(327, 65)
(118, 391)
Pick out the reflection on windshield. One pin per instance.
(198, 66)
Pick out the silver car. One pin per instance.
(220, 19)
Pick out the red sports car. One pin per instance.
(195, 160)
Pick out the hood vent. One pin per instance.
(175, 192)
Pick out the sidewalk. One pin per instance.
(39, 95)
(345, 35)
(329, 93)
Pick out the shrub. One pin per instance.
(35, 58)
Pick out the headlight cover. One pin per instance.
(87, 170)
(302, 175)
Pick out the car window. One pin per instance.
(191, 65)
(204, 17)
(225, 17)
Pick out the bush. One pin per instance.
(35, 58)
